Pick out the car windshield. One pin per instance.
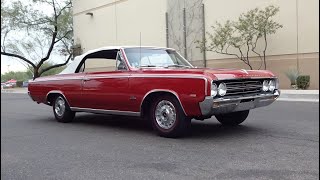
(148, 57)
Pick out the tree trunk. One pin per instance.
(265, 49)
(35, 73)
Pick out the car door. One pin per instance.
(105, 84)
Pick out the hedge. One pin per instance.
(303, 81)
(19, 83)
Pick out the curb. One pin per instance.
(297, 100)
(289, 91)
(13, 91)
(299, 95)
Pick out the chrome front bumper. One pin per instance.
(211, 106)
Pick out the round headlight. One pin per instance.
(265, 85)
(214, 90)
(222, 89)
(272, 85)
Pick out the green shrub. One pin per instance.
(303, 81)
(19, 83)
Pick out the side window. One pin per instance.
(99, 65)
(102, 61)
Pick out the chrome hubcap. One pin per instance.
(60, 106)
(165, 114)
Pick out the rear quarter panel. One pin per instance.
(69, 85)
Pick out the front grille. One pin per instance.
(243, 87)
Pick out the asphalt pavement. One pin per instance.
(280, 141)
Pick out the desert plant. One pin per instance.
(303, 81)
(19, 83)
(239, 38)
(292, 74)
(44, 32)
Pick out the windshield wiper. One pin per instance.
(172, 65)
(149, 65)
(177, 65)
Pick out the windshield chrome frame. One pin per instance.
(137, 68)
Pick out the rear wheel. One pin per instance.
(232, 119)
(168, 118)
(62, 111)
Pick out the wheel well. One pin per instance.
(149, 99)
(51, 97)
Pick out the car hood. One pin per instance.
(215, 74)
(238, 73)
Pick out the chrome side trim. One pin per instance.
(58, 79)
(162, 90)
(83, 78)
(168, 76)
(57, 92)
(247, 77)
(102, 111)
(107, 77)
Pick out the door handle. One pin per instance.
(86, 79)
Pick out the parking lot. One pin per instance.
(280, 141)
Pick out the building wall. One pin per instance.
(191, 11)
(285, 39)
(278, 64)
(294, 45)
(119, 22)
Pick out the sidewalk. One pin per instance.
(15, 90)
(299, 95)
(285, 95)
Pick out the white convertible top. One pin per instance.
(71, 68)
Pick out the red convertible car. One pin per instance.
(154, 83)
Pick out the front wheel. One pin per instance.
(62, 111)
(168, 118)
(232, 119)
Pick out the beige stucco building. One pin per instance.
(124, 22)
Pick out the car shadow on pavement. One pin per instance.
(111, 121)
(207, 129)
(211, 129)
